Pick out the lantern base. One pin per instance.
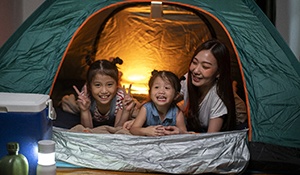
(46, 169)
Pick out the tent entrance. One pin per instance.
(144, 44)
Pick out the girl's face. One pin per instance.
(204, 69)
(162, 92)
(103, 88)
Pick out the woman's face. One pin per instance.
(204, 69)
(103, 88)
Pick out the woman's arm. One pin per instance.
(180, 123)
(215, 125)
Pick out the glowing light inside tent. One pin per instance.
(144, 37)
(136, 77)
(139, 81)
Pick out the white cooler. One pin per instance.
(25, 118)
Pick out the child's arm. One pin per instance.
(128, 106)
(86, 119)
(137, 126)
(128, 124)
(84, 104)
(180, 127)
(123, 116)
(138, 129)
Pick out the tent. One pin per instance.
(50, 51)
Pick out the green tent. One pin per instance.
(50, 51)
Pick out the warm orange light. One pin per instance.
(137, 88)
(136, 77)
(139, 83)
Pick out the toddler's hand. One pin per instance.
(170, 130)
(155, 130)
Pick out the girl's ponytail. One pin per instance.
(117, 60)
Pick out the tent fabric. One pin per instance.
(225, 152)
(55, 43)
(274, 159)
(131, 35)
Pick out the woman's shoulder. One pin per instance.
(183, 83)
(212, 95)
(213, 90)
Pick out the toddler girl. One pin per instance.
(155, 116)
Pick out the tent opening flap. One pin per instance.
(142, 42)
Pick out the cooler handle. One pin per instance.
(51, 111)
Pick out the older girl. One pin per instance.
(101, 100)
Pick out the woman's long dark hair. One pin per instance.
(223, 83)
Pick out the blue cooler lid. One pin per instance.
(22, 102)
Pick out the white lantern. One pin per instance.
(46, 158)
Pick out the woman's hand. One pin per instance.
(83, 100)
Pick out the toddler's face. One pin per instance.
(162, 92)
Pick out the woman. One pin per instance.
(208, 95)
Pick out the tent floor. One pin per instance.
(71, 171)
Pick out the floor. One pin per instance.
(83, 171)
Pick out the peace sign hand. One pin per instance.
(83, 100)
(128, 101)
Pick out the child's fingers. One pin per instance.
(129, 89)
(85, 90)
(77, 91)
(124, 89)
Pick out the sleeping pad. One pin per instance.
(107, 148)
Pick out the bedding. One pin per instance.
(116, 149)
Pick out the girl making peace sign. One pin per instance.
(101, 100)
